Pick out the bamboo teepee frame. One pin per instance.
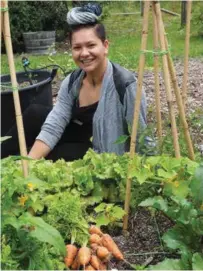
(159, 38)
(5, 28)
(187, 46)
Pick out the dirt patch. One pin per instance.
(142, 246)
(194, 86)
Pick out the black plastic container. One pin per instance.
(40, 92)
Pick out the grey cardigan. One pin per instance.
(110, 119)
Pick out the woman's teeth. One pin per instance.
(86, 61)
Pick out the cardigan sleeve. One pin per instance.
(58, 118)
(129, 100)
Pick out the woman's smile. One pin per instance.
(87, 61)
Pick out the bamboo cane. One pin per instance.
(2, 21)
(167, 79)
(187, 45)
(156, 78)
(180, 103)
(137, 107)
(19, 121)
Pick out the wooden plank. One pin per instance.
(133, 13)
(125, 13)
(170, 12)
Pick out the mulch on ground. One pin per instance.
(142, 244)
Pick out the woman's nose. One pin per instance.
(84, 51)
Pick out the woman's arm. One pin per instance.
(39, 150)
(54, 124)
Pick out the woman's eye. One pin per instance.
(76, 48)
(91, 45)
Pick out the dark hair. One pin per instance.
(98, 28)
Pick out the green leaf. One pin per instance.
(117, 212)
(197, 225)
(37, 206)
(197, 261)
(4, 138)
(43, 231)
(168, 264)
(34, 197)
(32, 263)
(96, 195)
(121, 139)
(196, 184)
(183, 211)
(141, 174)
(129, 128)
(179, 237)
(182, 190)
(20, 157)
(157, 202)
(13, 221)
(35, 181)
(166, 174)
(101, 207)
(102, 220)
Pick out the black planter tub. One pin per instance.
(34, 88)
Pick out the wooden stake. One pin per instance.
(137, 107)
(156, 79)
(180, 104)
(2, 19)
(19, 121)
(157, 10)
(187, 45)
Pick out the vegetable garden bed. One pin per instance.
(58, 202)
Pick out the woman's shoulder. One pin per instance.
(122, 76)
(71, 78)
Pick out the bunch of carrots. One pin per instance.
(96, 257)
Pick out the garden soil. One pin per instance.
(142, 244)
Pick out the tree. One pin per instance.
(183, 12)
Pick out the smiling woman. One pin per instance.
(96, 100)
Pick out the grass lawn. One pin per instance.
(124, 34)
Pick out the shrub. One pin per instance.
(197, 19)
(35, 16)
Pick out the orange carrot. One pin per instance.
(95, 238)
(94, 246)
(95, 229)
(95, 262)
(109, 243)
(102, 266)
(75, 265)
(102, 252)
(84, 256)
(71, 253)
(89, 267)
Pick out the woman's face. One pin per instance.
(88, 51)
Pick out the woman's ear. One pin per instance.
(106, 46)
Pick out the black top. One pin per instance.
(80, 126)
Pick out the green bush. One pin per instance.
(35, 16)
(197, 19)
